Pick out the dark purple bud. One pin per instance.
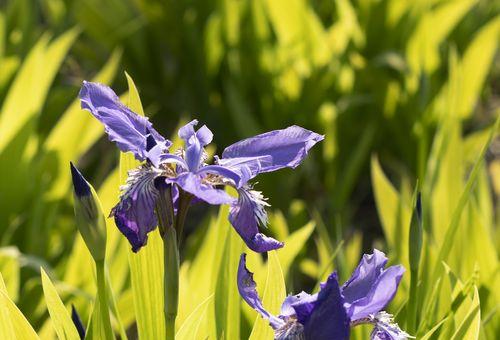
(80, 185)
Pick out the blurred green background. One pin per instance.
(403, 90)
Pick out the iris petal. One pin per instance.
(245, 216)
(275, 149)
(381, 293)
(124, 127)
(247, 288)
(371, 287)
(328, 319)
(287, 308)
(193, 184)
(365, 275)
(195, 141)
(135, 213)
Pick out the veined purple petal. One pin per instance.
(195, 141)
(328, 319)
(193, 184)
(124, 127)
(134, 214)
(245, 216)
(247, 288)
(380, 294)
(278, 148)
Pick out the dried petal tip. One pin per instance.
(80, 185)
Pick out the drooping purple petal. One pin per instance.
(276, 149)
(195, 141)
(194, 184)
(328, 319)
(124, 127)
(245, 216)
(365, 275)
(247, 288)
(134, 214)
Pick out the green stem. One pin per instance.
(184, 202)
(102, 296)
(171, 280)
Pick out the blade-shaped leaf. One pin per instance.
(65, 329)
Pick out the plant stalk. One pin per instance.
(102, 299)
(171, 280)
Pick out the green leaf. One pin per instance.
(294, 243)
(393, 212)
(61, 319)
(469, 327)
(274, 295)
(20, 326)
(190, 327)
(467, 192)
(31, 85)
(227, 298)
(475, 65)
(428, 335)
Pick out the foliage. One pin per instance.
(402, 90)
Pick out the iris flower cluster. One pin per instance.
(187, 178)
(186, 171)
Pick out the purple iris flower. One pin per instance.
(187, 171)
(329, 314)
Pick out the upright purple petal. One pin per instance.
(195, 141)
(194, 184)
(367, 272)
(247, 288)
(276, 149)
(328, 319)
(124, 127)
(134, 214)
(245, 216)
(380, 294)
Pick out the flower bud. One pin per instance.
(89, 216)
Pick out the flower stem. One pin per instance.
(184, 202)
(103, 301)
(171, 280)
